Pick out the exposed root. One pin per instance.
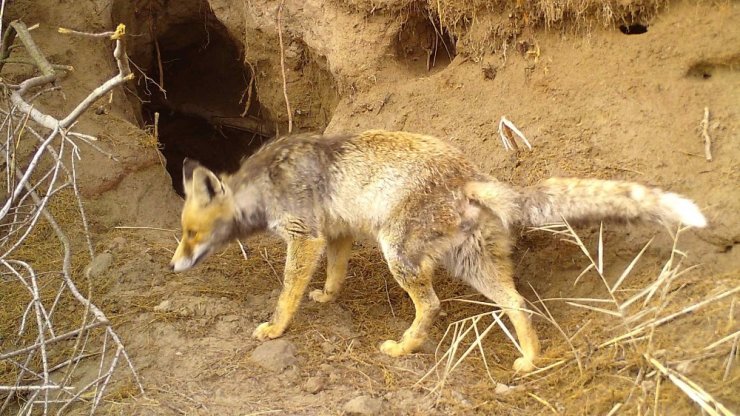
(282, 65)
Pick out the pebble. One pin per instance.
(461, 399)
(504, 389)
(164, 306)
(364, 405)
(99, 265)
(118, 243)
(328, 347)
(314, 385)
(275, 355)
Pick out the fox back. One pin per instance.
(310, 185)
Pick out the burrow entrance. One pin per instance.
(423, 45)
(633, 29)
(207, 107)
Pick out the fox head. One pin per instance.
(208, 216)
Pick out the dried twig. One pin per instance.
(67, 68)
(160, 67)
(2, 13)
(144, 228)
(708, 403)
(250, 88)
(282, 65)
(20, 213)
(704, 125)
(252, 72)
(269, 263)
(31, 48)
(67, 31)
(507, 131)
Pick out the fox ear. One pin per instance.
(205, 185)
(188, 166)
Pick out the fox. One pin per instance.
(418, 197)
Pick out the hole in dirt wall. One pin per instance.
(423, 45)
(633, 29)
(202, 113)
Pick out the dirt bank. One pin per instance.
(612, 90)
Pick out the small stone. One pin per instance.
(683, 367)
(648, 385)
(164, 306)
(254, 300)
(230, 318)
(99, 265)
(290, 377)
(461, 399)
(275, 355)
(314, 385)
(118, 243)
(502, 389)
(364, 405)
(328, 347)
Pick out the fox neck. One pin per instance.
(251, 216)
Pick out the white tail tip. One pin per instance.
(683, 210)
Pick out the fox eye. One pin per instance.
(190, 234)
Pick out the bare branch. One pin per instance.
(31, 48)
(30, 188)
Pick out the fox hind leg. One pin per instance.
(486, 265)
(416, 280)
(337, 258)
(302, 257)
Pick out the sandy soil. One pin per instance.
(597, 103)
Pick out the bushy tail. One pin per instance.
(583, 201)
(592, 200)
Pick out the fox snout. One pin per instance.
(174, 266)
(180, 263)
(188, 256)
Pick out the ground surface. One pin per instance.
(601, 104)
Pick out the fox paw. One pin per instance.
(320, 296)
(523, 365)
(393, 348)
(266, 330)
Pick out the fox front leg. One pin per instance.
(302, 257)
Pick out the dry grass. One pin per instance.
(603, 354)
(571, 14)
(43, 251)
(644, 347)
(483, 26)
